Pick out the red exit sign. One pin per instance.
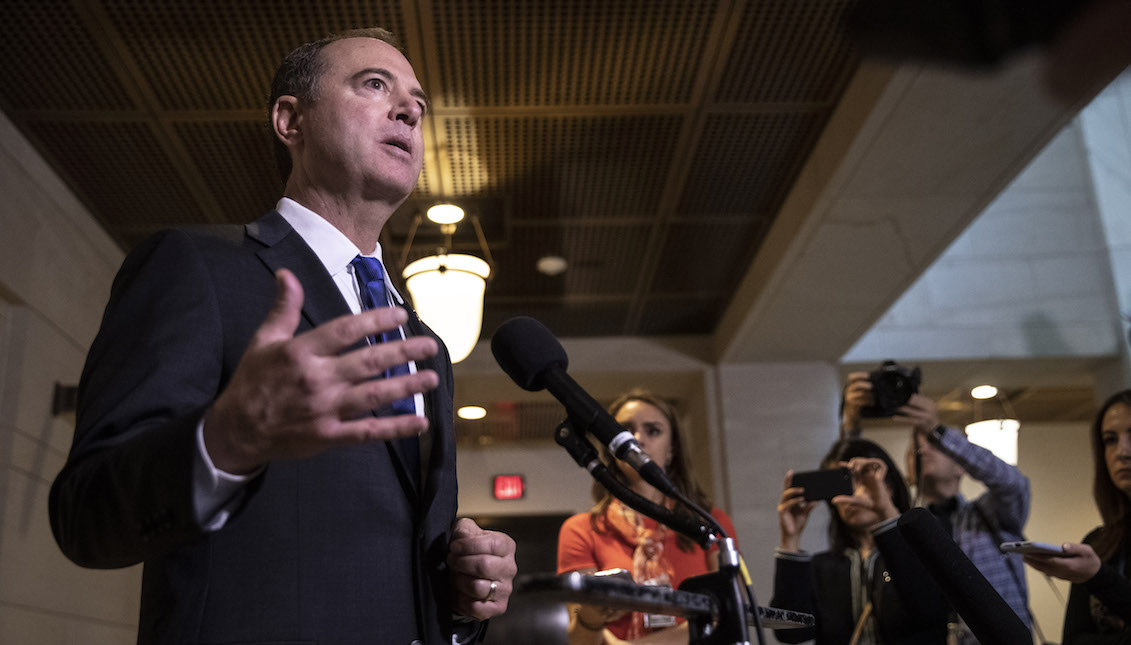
(509, 487)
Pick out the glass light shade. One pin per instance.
(445, 214)
(447, 292)
(984, 392)
(471, 412)
(999, 436)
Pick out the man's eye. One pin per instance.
(377, 83)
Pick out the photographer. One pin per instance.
(937, 458)
(868, 587)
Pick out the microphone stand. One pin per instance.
(725, 586)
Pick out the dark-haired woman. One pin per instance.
(868, 588)
(1099, 604)
(613, 536)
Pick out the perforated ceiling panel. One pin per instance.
(121, 168)
(722, 248)
(745, 163)
(604, 260)
(790, 51)
(663, 316)
(648, 142)
(51, 61)
(570, 52)
(237, 164)
(563, 316)
(565, 167)
(221, 55)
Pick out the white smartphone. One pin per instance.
(1038, 548)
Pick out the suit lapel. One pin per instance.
(285, 249)
(322, 301)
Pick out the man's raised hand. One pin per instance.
(295, 396)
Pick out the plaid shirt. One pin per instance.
(1004, 504)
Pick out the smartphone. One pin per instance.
(823, 484)
(1038, 548)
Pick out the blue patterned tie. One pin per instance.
(371, 279)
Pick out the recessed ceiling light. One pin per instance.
(984, 392)
(445, 213)
(471, 412)
(551, 265)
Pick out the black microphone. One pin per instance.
(985, 612)
(583, 453)
(535, 360)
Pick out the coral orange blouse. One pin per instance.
(580, 547)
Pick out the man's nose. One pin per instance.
(407, 108)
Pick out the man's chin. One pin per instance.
(393, 191)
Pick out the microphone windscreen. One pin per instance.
(525, 349)
(985, 612)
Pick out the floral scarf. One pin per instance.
(649, 564)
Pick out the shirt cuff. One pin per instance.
(885, 526)
(214, 492)
(936, 436)
(796, 556)
(466, 631)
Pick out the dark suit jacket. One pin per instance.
(339, 548)
(908, 607)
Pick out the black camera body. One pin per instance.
(892, 387)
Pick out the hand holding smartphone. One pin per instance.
(823, 484)
(1031, 548)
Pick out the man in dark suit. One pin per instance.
(278, 450)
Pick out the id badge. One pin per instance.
(658, 621)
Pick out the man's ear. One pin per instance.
(286, 119)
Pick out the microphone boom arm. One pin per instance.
(724, 585)
(586, 456)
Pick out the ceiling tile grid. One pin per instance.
(707, 257)
(603, 260)
(649, 142)
(569, 52)
(220, 55)
(236, 162)
(789, 51)
(51, 62)
(563, 317)
(746, 163)
(678, 316)
(565, 167)
(120, 170)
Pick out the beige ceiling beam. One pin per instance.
(909, 158)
